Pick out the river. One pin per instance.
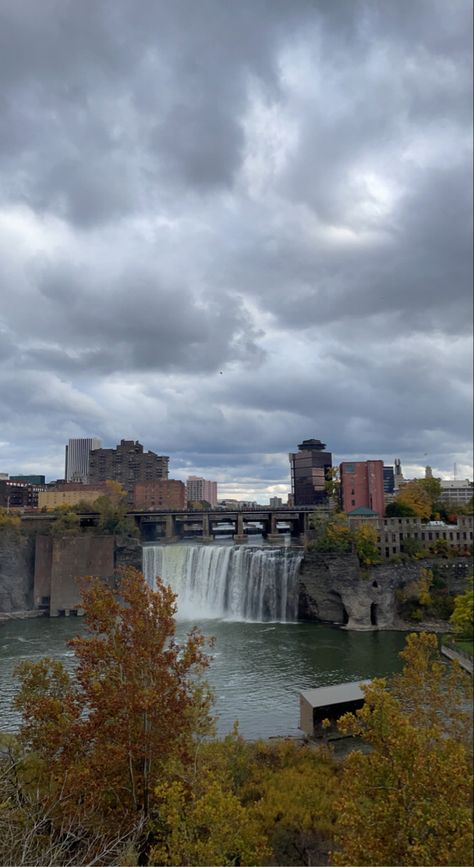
(246, 598)
(257, 669)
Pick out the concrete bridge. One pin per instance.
(166, 525)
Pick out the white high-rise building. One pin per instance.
(77, 458)
(201, 489)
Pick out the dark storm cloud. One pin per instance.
(231, 224)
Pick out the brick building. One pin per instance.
(162, 494)
(362, 485)
(70, 495)
(127, 464)
(19, 495)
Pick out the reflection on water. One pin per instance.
(257, 670)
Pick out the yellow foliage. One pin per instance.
(418, 590)
(9, 520)
(365, 539)
(462, 617)
(414, 495)
(409, 800)
(205, 824)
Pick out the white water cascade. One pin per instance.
(225, 581)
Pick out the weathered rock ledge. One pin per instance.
(334, 589)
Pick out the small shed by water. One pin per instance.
(329, 702)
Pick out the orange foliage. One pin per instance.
(135, 705)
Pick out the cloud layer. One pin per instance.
(228, 227)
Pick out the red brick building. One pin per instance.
(362, 485)
(160, 494)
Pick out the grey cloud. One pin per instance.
(135, 321)
(154, 249)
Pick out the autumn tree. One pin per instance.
(332, 532)
(67, 522)
(248, 803)
(432, 486)
(462, 618)
(398, 509)
(133, 708)
(9, 520)
(416, 497)
(366, 546)
(205, 824)
(112, 509)
(408, 801)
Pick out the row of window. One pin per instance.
(430, 537)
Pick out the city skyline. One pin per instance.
(227, 228)
(239, 489)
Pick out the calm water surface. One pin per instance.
(257, 670)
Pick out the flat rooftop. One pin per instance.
(339, 693)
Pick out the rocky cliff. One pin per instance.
(36, 568)
(17, 553)
(334, 589)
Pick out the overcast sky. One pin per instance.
(230, 226)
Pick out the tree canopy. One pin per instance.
(409, 800)
(462, 617)
(135, 705)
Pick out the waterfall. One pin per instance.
(225, 581)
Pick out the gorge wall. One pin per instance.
(17, 563)
(334, 588)
(39, 573)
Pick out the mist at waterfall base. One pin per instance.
(262, 657)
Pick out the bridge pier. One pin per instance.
(171, 534)
(240, 536)
(273, 535)
(206, 535)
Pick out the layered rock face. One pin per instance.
(334, 589)
(17, 562)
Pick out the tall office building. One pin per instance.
(309, 472)
(362, 485)
(127, 464)
(77, 458)
(201, 489)
(388, 480)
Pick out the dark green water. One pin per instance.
(257, 671)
